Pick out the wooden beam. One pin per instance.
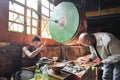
(103, 12)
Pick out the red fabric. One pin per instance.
(84, 58)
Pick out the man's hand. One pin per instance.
(98, 64)
(85, 61)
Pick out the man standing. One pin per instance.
(106, 47)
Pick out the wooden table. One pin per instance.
(62, 76)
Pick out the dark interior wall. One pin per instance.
(106, 23)
(10, 57)
(3, 19)
(93, 5)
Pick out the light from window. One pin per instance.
(28, 21)
(45, 3)
(28, 13)
(23, 17)
(35, 14)
(20, 28)
(21, 1)
(28, 30)
(16, 27)
(34, 31)
(34, 22)
(15, 7)
(51, 12)
(45, 11)
(16, 17)
(45, 28)
(51, 6)
(32, 4)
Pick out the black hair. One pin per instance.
(35, 38)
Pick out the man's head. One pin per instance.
(85, 39)
(35, 38)
(36, 41)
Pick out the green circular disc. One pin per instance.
(64, 22)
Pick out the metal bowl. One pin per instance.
(56, 67)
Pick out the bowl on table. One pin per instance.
(56, 67)
(44, 60)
